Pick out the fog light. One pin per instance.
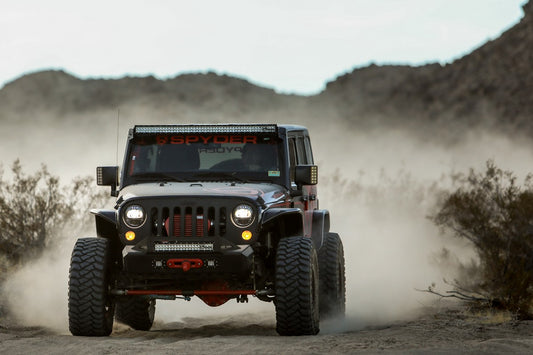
(130, 236)
(246, 235)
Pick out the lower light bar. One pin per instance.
(184, 247)
(206, 128)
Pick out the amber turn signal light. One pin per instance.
(130, 236)
(246, 235)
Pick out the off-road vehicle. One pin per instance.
(220, 212)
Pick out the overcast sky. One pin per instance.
(293, 46)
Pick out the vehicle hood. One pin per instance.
(265, 194)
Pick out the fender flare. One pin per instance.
(290, 220)
(106, 224)
(320, 227)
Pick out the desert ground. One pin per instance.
(446, 330)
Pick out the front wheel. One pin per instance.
(90, 307)
(297, 287)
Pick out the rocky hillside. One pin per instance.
(64, 93)
(491, 87)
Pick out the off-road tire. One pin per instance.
(297, 287)
(136, 311)
(332, 278)
(90, 307)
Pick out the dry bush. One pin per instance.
(495, 214)
(36, 209)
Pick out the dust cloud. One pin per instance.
(36, 295)
(379, 184)
(380, 187)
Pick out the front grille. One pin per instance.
(188, 225)
(187, 221)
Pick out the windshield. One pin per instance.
(204, 157)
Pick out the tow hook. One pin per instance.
(185, 264)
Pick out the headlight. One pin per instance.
(243, 216)
(134, 216)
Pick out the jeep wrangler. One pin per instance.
(215, 211)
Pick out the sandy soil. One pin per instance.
(444, 331)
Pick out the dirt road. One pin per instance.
(449, 331)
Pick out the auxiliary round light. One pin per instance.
(130, 236)
(246, 235)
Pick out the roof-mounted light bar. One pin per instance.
(206, 128)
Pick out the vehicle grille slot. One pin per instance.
(193, 224)
(157, 217)
(216, 217)
(172, 223)
(181, 231)
(221, 222)
(210, 217)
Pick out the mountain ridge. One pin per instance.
(492, 87)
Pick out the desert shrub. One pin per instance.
(495, 214)
(35, 209)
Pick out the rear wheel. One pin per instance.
(297, 287)
(137, 312)
(90, 307)
(332, 277)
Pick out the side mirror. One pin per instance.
(306, 174)
(108, 176)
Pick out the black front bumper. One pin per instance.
(237, 262)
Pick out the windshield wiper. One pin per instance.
(157, 176)
(217, 176)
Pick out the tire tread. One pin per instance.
(88, 308)
(296, 306)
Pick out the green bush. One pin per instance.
(496, 215)
(36, 211)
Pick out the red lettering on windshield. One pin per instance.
(218, 139)
(205, 139)
(235, 139)
(250, 139)
(191, 139)
(177, 140)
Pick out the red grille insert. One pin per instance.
(188, 225)
(188, 221)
